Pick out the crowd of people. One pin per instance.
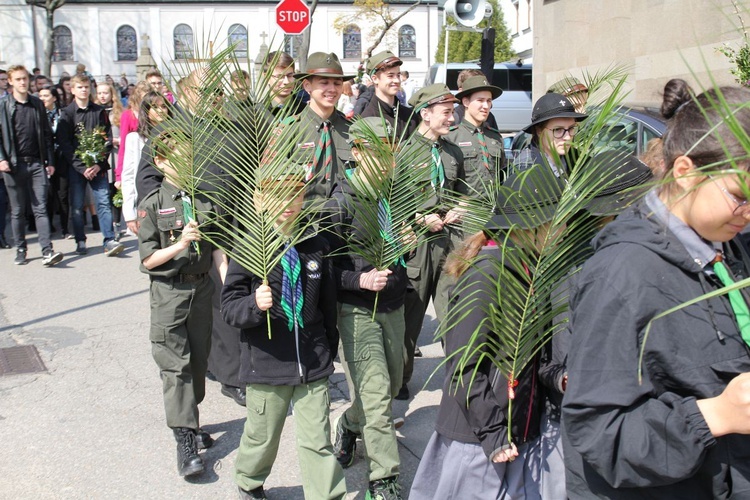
(599, 411)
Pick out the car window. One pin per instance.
(621, 133)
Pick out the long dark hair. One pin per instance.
(145, 127)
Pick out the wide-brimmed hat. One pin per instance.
(382, 60)
(437, 93)
(551, 106)
(527, 199)
(325, 65)
(624, 179)
(476, 84)
(363, 129)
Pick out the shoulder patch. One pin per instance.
(453, 127)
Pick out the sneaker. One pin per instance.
(189, 463)
(68, 236)
(112, 248)
(50, 257)
(20, 257)
(398, 422)
(257, 493)
(344, 444)
(81, 248)
(384, 489)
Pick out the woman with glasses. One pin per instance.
(554, 123)
(667, 415)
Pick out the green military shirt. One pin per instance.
(478, 176)
(418, 150)
(161, 221)
(298, 136)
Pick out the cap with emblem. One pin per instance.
(364, 129)
(288, 175)
(325, 65)
(476, 84)
(382, 60)
(437, 93)
(551, 106)
(526, 200)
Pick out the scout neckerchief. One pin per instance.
(385, 221)
(438, 171)
(739, 306)
(323, 150)
(187, 214)
(483, 148)
(292, 299)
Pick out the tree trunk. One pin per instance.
(305, 46)
(49, 46)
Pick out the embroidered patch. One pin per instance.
(165, 211)
(462, 144)
(305, 145)
(313, 266)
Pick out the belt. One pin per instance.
(29, 159)
(182, 278)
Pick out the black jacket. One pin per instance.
(91, 117)
(625, 439)
(399, 116)
(7, 132)
(485, 419)
(363, 100)
(287, 358)
(340, 222)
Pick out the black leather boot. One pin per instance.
(189, 463)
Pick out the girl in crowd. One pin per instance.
(57, 195)
(681, 430)
(153, 110)
(469, 455)
(106, 96)
(129, 122)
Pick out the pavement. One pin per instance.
(92, 425)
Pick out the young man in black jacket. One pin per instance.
(26, 157)
(82, 113)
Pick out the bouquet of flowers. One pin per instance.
(92, 145)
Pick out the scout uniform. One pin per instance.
(318, 144)
(372, 346)
(180, 297)
(400, 117)
(425, 267)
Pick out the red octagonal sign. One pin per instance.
(292, 16)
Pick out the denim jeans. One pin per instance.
(28, 180)
(100, 188)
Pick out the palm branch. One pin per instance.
(525, 297)
(229, 133)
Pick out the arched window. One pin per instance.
(127, 43)
(183, 42)
(352, 42)
(407, 41)
(238, 39)
(63, 38)
(292, 44)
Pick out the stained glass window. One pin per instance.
(352, 42)
(63, 50)
(238, 39)
(183, 42)
(127, 43)
(407, 41)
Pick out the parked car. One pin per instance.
(512, 109)
(632, 128)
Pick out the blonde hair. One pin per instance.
(141, 89)
(116, 104)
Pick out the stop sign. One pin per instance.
(292, 16)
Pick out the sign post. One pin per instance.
(292, 16)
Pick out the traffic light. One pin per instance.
(468, 13)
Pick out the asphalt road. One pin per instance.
(92, 425)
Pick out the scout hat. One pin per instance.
(363, 129)
(526, 200)
(567, 87)
(477, 83)
(437, 93)
(551, 106)
(322, 64)
(290, 174)
(624, 178)
(382, 60)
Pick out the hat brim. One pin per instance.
(495, 91)
(302, 76)
(563, 114)
(529, 218)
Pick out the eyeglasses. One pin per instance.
(742, 208)
(559, 132)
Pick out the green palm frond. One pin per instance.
(527, 276)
